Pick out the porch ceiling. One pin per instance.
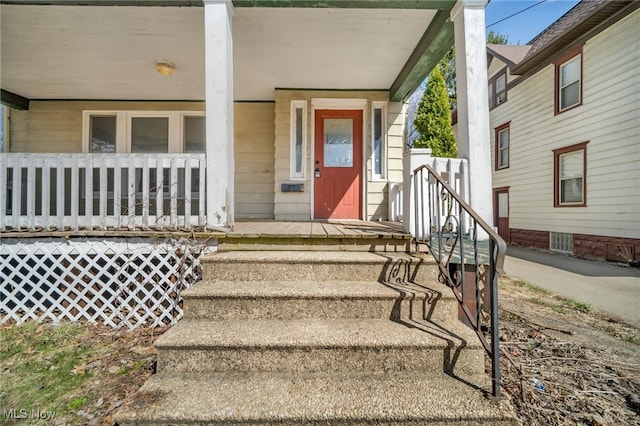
(102, 52)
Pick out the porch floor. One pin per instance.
(326, 235)
(326, 229)
(345, 235)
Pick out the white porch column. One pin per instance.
(218, 15)
(473, 103)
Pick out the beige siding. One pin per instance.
(298, 206)
(609, 119)
(56, 126)
(254, 152)
(495, 66)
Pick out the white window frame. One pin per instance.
(183, 142)
(123, 127)
(293, 174)
(381, 105)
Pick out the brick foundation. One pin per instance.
(594, 246)
(609, 248)
(530, 238)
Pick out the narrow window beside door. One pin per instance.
(378, 133)
(298, 138)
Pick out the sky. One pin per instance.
(524, 26)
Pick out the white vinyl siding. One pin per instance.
(608, 119)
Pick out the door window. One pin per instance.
(338, 142)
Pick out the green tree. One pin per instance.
(497, 38)
(433, 118)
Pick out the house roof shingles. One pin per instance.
(587, 17)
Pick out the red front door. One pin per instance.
(338, 164)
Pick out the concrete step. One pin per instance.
(400, 244)
(318, 266)
(315, 345)
(219, 300)
(390, 398)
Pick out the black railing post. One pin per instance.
(495, 339)
(452, 231)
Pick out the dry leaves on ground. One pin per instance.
(559, 368)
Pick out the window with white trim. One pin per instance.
(102, 133)
(298, 139)
(378, 140)
(143, 131)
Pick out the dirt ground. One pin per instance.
(562, 362)
(565, 363)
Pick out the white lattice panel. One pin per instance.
(121, 283)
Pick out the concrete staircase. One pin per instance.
(322, 338)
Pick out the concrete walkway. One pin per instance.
(608, 287)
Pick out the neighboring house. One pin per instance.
(565, 120)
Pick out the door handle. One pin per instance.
(317, 174)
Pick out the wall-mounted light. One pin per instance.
(164, 67)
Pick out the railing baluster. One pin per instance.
(60, 198)
(16, 204)
(131, 192)
(159, 193)
(202, 205)
(117, 194)
(88, 192)
(104, 186)
(30, 192)
(187, 193)
(173, 191)
(46, 194)
(75, 211)
(4, 189)
(145, 194)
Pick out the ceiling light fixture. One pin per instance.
(164, 67)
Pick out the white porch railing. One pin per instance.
(455, 171)
(102, 191)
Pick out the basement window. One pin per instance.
(561, 242)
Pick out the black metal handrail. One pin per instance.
(469, 253)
